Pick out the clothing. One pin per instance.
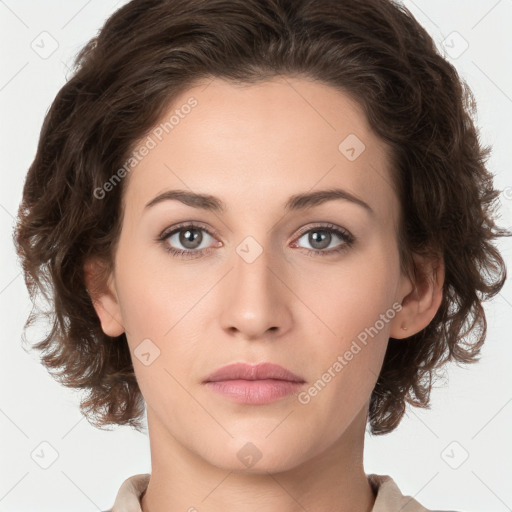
(388, 495)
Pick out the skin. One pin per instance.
(254, 146)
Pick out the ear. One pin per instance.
(100, 285)
(421, 299)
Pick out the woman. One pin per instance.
(266, 224)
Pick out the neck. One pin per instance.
(332, 480)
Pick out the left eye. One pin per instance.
(320, 238)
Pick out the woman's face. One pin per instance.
(274, 269)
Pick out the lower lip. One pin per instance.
(255, 392)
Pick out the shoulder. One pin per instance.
(130, 493)
(389, 497)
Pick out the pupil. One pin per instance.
(190, 238)
(315, 238)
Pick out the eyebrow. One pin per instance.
(296, 202)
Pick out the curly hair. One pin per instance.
(150, 51)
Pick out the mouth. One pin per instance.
(254, 384)
(261, 371)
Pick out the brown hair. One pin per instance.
(147, 53)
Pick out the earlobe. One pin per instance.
(420, 305)
(100, 285)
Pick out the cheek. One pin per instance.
(162, 307)
(349, 344)
(353, 306)
(350, 296)
(155, 294)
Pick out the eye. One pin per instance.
(322, 237)
(189, 236)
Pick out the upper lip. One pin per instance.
(247, 371)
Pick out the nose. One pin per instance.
(256, 300)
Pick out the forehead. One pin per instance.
(260, 143)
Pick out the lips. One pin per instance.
(261, 371)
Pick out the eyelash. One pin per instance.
(347, 238)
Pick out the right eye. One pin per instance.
(190, 237)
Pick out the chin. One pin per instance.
(241, 455)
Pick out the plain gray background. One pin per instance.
(456, 456)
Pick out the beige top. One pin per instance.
(388, 495)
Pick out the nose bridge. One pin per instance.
(256, 299)
(253, 268)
